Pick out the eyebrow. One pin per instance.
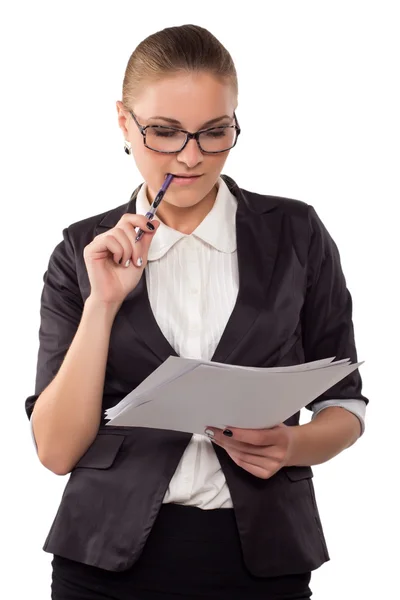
(206, 124)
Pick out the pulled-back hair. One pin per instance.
(183, 49)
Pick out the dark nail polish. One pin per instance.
(150, 226)
(227, 432)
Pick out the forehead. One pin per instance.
(191, 98)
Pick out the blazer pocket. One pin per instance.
(102, 453)
(305, 501)
(298, 473)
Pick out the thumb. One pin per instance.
(148, 237)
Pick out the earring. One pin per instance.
(127, 147)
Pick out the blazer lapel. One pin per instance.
(137, 314)
(257, 228)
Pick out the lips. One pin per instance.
(185, 176)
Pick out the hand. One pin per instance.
(111, 276)
(261, 452)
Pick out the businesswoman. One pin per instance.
(221, 273)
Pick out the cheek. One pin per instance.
(216, 163)
(149, 163)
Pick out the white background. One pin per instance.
(319, 109)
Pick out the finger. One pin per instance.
(122, 237)
(256, 437)
(139, 249)
(248, 449)
(134, 220)
(142, 246)
(130, 230)
(151, 229)
(255, 461)
(259, 469)
(133, 255)
(104, 245)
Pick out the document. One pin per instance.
(185, 394)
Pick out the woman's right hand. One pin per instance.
(108, 254)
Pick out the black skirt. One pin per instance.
(191, 554)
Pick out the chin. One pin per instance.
(186, 201)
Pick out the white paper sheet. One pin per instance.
(187, 394)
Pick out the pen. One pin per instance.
(155, 204)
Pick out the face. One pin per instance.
(192, 100)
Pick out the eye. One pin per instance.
(216, 133)
(163, 132)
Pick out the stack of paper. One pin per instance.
(184, 394)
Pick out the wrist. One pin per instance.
(104, 310)
(333, 430)
(292, 458)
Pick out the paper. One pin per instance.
(187, 395)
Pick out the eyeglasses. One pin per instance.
(170, 140)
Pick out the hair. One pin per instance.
(183, 49)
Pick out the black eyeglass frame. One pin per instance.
(189, 135)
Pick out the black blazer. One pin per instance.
(292, 306)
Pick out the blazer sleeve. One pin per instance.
(60, 313)
(327, 312)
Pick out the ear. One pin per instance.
(122, 117)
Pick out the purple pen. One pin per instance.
(155, 204)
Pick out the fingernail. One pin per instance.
(128, 262)
(227, 432)
(150, 226)
(209, 433)
(139, 262)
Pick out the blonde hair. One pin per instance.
(183, 49)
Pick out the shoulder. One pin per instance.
(77, 235)
(86, 229)
(289, 206)
(298, 217)
(264, 203)
(301, 216)
(89, 225)
(80, 233)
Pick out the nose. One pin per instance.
(191, 155)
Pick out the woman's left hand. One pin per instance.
(261, 452)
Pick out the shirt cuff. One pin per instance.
(357, 407)
(33, 435)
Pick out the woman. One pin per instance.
(223, 274)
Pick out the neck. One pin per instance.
(186, 219)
